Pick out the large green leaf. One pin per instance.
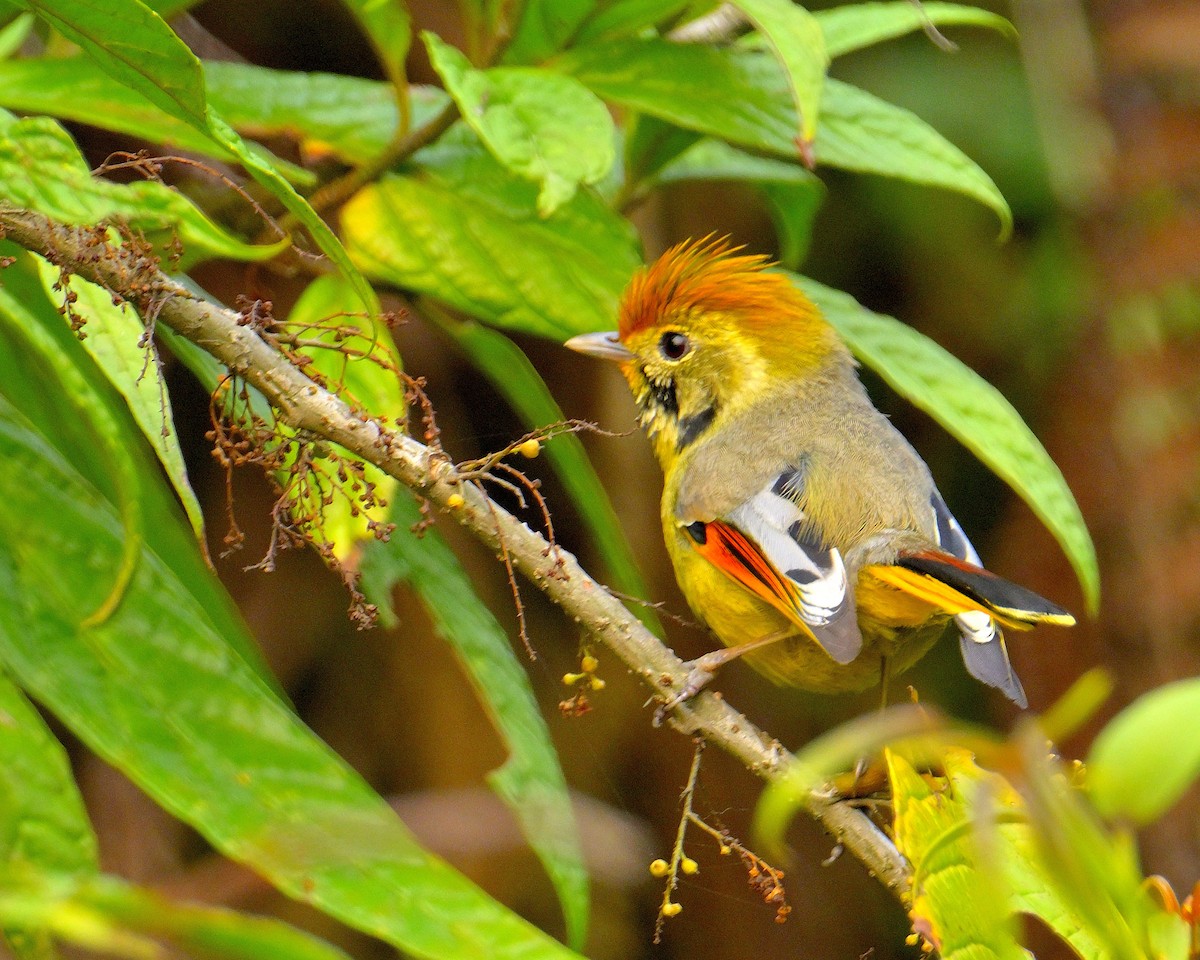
(973, 411)
(543, 126)
(463, 230)
(108, 916)
(134, 45)
(156, 688)
(531, 781)
(41, 169)
(742, 95)
(515, 378)
(976, 864)
(117, 340)
(795, 37)
(43, 824)
(852, 26)
(1142, 762)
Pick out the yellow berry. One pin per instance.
(570, 679)
(530, 448)
(597, 683)
(455, 500)
(671, 909)
(659, 868)
(689, 866)
(589, 664)
(726, 850)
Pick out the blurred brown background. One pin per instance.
(1087, 320)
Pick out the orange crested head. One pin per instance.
(707, 331)
(711, 278)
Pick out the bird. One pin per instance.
(804, 530)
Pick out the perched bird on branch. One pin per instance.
(804, 529)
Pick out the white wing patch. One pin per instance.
(826, 601)
(950, 534)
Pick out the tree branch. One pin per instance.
(307, 406)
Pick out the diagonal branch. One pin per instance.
(305, 405)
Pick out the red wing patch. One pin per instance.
(730, 551)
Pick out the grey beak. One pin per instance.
(605, 345)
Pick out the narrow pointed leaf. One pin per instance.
(973, 411)
(117, 340)
(531, 781)
(795, 37)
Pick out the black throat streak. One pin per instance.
(691, 427)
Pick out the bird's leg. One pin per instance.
(869, 772)
(702, 670)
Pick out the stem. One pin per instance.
(305, 405)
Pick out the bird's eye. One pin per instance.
(674, 345)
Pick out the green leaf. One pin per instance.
(48, 376)
(742, 95)
(355, 119)
(75, 88)
(106, 915)
(232, 761)
(959, 900)
(973, 411)
(795, 37)
(388, 27)
(464, 231)
(545, 27)
(41, 169)
(862, 133)
(357, 359)
(852, 26)
(510, 372)
(1140, 764)
(977, 861)
(792, 194)
(530, 782)
(117, 340)
(43, 823)
(543, 126)
(135, 46)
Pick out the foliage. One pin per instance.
(503, 198)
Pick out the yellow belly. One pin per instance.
(894, 624)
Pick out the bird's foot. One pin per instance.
(701, 672)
